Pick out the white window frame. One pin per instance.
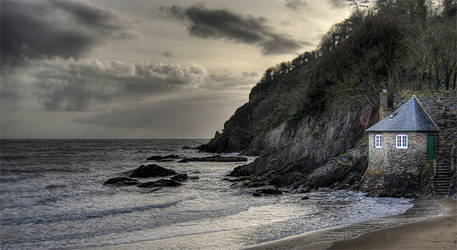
(378, 141)
(402, 141)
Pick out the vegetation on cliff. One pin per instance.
(390, 45)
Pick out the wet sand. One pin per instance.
(408, 231)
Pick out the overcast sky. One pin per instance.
(144, 68)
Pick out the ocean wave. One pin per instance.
(82, 216)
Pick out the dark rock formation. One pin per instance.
(266, 191)
(162, 158)
(216, 158)
(152, 170)
(180, 177)
(121, 181)
(160, 183)
(340, 172)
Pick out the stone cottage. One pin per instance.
(402, 151)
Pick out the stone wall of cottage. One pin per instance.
(398, 172)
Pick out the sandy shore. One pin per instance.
(438, 232)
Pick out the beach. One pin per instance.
(437, 232)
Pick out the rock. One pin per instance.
(152, 170)
(243, 170)
(162, 158)
(254, 184)
(180, 177)
(216, 158)
(268, 191)
(194, 177)
(121, 181)
(160, 183)
(256, 194)
(305, 198)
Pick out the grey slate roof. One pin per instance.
(408, 118)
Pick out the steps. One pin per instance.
(442, 178)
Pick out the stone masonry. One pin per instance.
(396, 172)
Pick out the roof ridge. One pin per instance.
(426, 113)
(414, 99)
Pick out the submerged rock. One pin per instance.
(216, 158)
(121, 181)
(267, 191)
(152, 170)
(160, 183)
(180, 177)
(163, 158)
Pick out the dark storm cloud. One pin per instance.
(43, 29)
(223, 24)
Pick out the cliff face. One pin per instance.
(322, 150)
(254, 125)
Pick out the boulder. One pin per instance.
(162, 158)
(152, 170)
(121, 181)
(160, 183)
(305, 198)
(180, 177)
(216, 158)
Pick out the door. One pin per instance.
(431, 147)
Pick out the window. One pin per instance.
(378, 141)
(402, 141)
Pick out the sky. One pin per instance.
(144, 68)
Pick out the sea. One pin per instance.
(52, 197)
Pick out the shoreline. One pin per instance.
(430, 224)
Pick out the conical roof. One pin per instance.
(410, 117)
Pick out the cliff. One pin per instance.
(306, 118)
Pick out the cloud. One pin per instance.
(168, 54)
(45, 29)
(296, 4)
(339, 3)
(80, 85)
(87, 85)
(223, 24)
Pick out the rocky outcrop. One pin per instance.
(152, 170)
(180, 177)
(160, 183)
(340, 172)
(305, 155)
(121, 181)
(162, 158)
(216, 158)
